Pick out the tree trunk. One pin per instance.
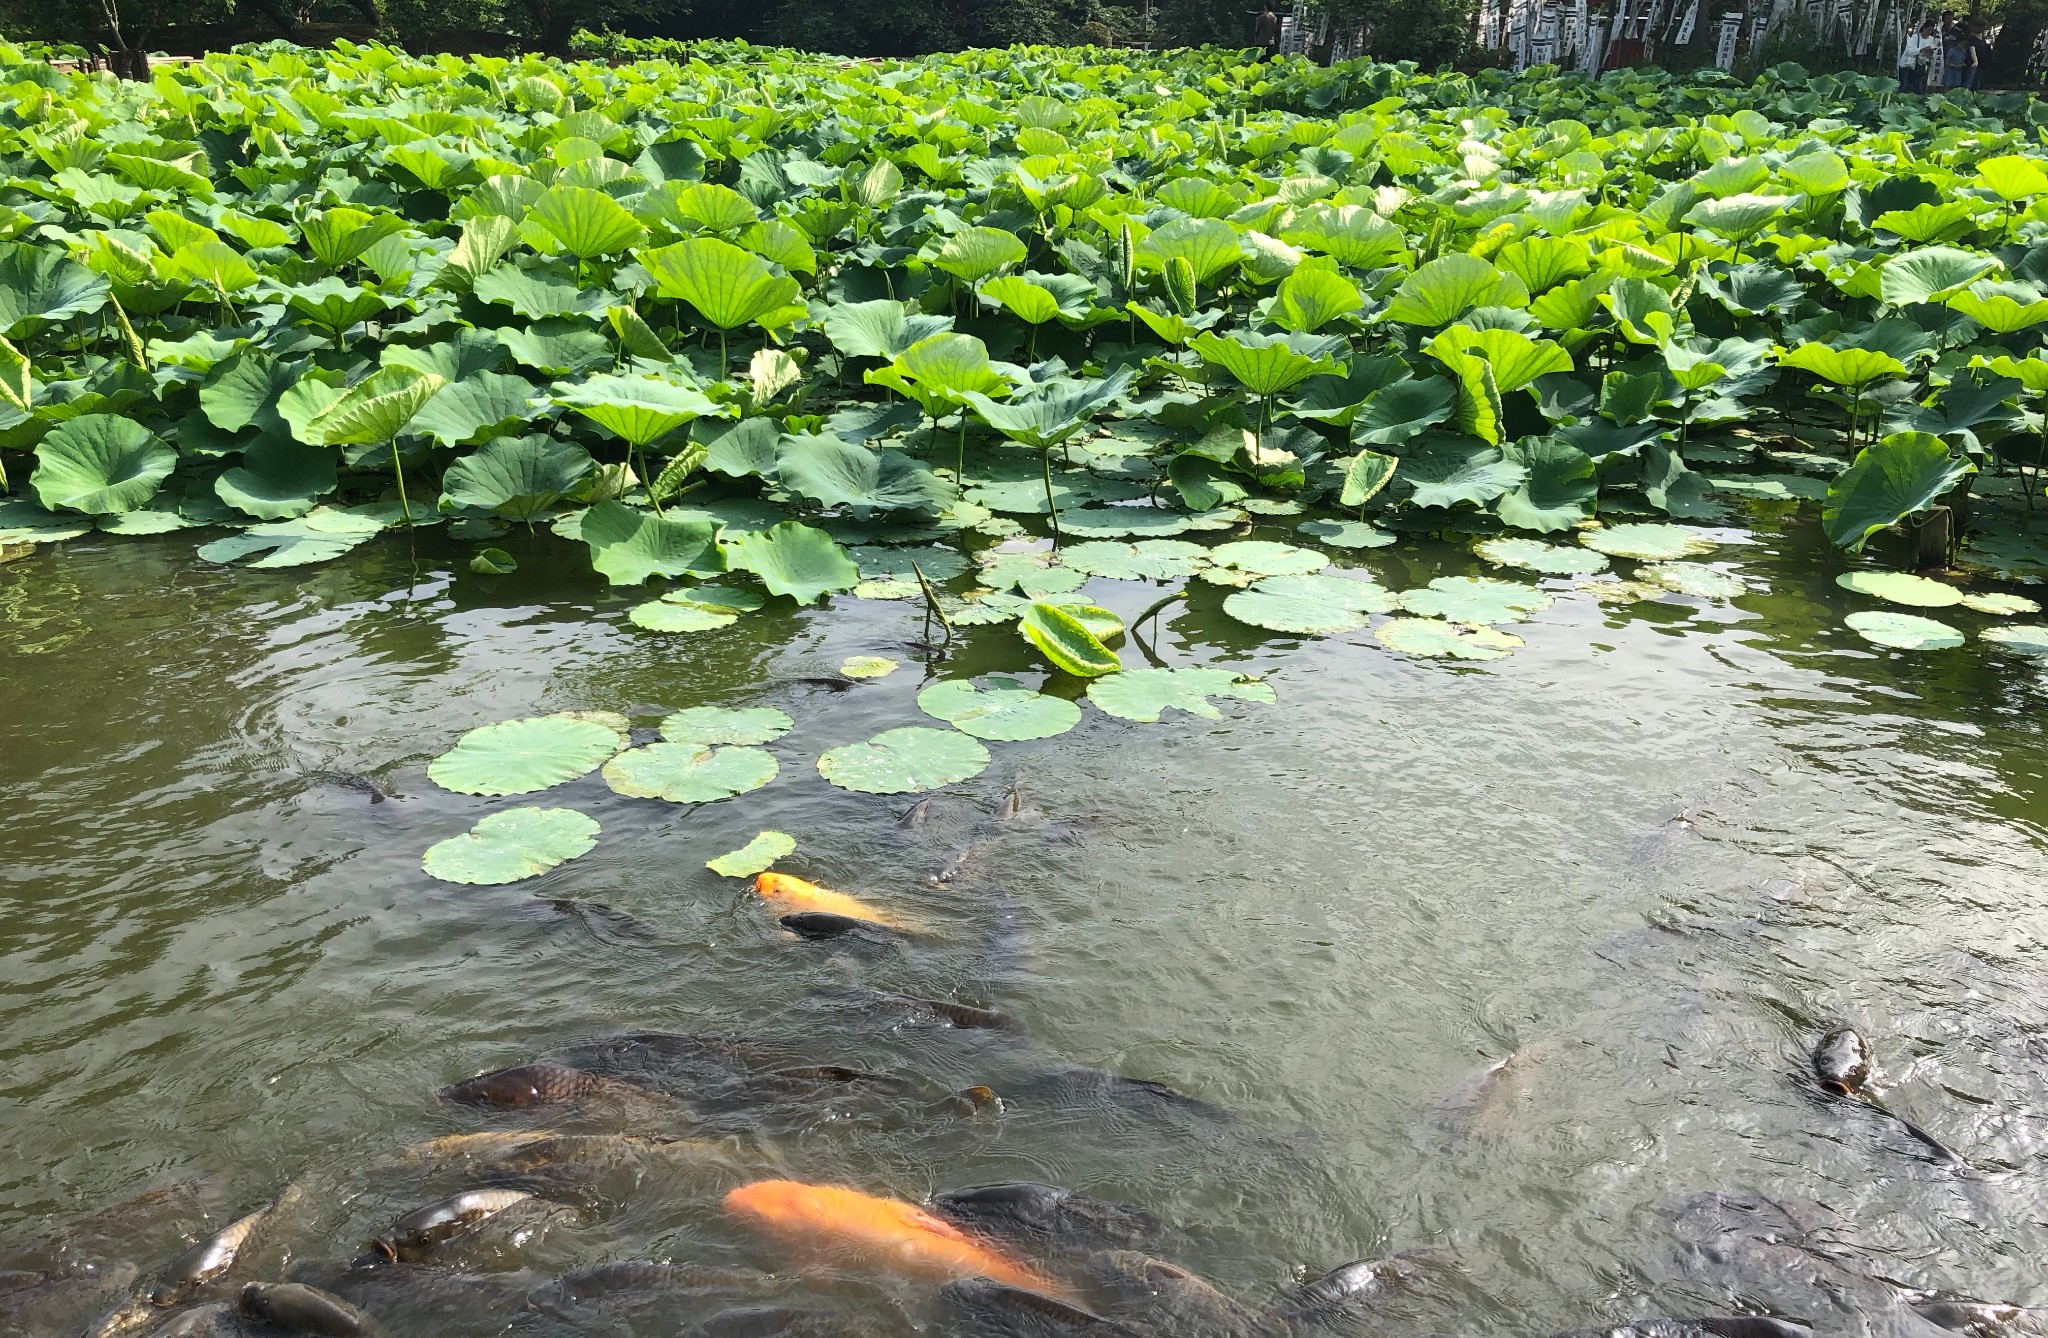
(2017, 39)
(368, 9)
(282, 19)
(550, 27)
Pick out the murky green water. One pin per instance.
(1324, 916)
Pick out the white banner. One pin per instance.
(1724, 51)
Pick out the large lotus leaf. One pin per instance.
(2002, 308)
(1475, 599)
(1560, 480)
(375, 409)
(342, 234)
(1930, 274)
(1337, 400)
(1904, 631)
(885, 564)
(588, 223)
(278, 478)
(1450, 474)
(883, 328)
(1535, 555)
(630, 545)
(904, 761)
(1147, 560)
(1005, 710)
(1344, 533)
(556, 348)
(523, 756)
(1144, 694)
(1313, 296)
(467, 354)
(1516, 359)
(1751, 290)
(796, 560)
(1449, 286)
(101, 464)
(1693, 578)
(1898, 587)
(972, 254)
(1028, 302)
(1544, 262)
(688, 773)
(486, 405)
(1244, 560)
(1051, 412)
(939, 371)
(1067, 640)
(1399, 412)
(1852, 367)
(42, 283)
(1888, 481)
(1739, 216)
(729, 287)
(242, 390)
(1209, 245)
(1441, 640)
(838, 473)
(1648, 542)
(538, 294)
(725, 724)
(1030, 574)
(756, 856)
(506, 847)
(1263, 364)
(1353, 234)
(1310, 605)
(641, 409)
(515, 477)
(1998, 603)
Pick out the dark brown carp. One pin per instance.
(1165, 1297)
(1979, 1319)
(917, 816)
(1034, 1214)
(297, 1308)
(825, 925)
(525, 1086)
(1013, 1312)
(1841, 1062)
(418, 1233)
(942, 1012)
(215, 1255)
(632, 1277)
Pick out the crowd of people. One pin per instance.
(1942, 53)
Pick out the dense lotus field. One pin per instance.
(764, 325)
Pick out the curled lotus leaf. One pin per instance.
(523, 756)
(1475, 599)
(756, 856)
(1144, 695)
(1904, 631)
(688, 773)
(904, 761)
(1309, 605)
(508, 846)
(1072, 636)
(1438, 639)
(1648, 542)
(1005, 709)
(1535, 555)
(1899, 587)
(725, 724)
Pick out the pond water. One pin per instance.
(1652, 856)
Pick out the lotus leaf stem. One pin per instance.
(398, 466)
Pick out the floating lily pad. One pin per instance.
(1143, 694)
(756, 856)
(1032, 574)
(1623, 592)
(506, 847)
(522, 756)
(1434, 637)
(1904, 631)
(1352, 534)
(1648, 542)
(1006, 709)
(1771, 487)
(1535, 555)
(688, 773)
(1899, 587)
(1271, 506)
(1146, 560)
(2025, 638)
(1693, 578)
(887, 590)
(896, 564)
(1122, 522)
(725, 724)
(1246, 560)
(701, 608)
(1475, 599)
(868, 666)
(904, 761)
(1310, 605)
(2002, 605)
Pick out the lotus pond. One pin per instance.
(1379, 602)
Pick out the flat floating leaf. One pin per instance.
(2001, 605)
(795, 559)
(1143, 694)
(725, 724)
(1439, 639)
(1344, 533)
(904, 761)
(1904, 631)
(1005, 710)
(688, 773)
(756, 856)
(1535, 555)
(1695, 579)
(2025, 638)
(1622, 592)
(522, 756)
(1475, 599)
(1898, 587)
(868, 666)
(1648, 542)
(1309, 605)
(1245, 560)
(1146, 560)
(506, 847)
(702, 608)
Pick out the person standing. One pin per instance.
(1267, 30)
(1913, 60)
(1959, 59)
(1981, 49)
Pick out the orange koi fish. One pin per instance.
(793, 896)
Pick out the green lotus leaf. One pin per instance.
(334, 306)
(493, 562)
(868, 666)
(1888, 481)
(1050, 413)
(340, 235)
(523, 756)
(1544, 262)
(278, 478)
(904, 761)
(1027, 301)
(487, 404)
(882, 328)
(1904, 631)
(2025, 639)
(1740, 216)
(517, 478)
(1399, 412)
(1449, 286)
(1693, 578)
(321, 535)
(688, 773)
(725, 724)
(1352, 234)
(1244, 560)
(40, 284)
(972, 254)
(468, 354)
(1263, 364)
(2002, 308)
(628, 545)
(1999, 604)
(1032, 573)
(101, 464)
(834, 472)
(728, 287)
(242, 391)
(940, 371)
(1144, 695)
(508, 846)
(702, 608)
(1535, 555)
(1364, 476)
(1475, 599)
(1005, 710)
(1117, 522)
(588, 223)
(1309, 605)
(1930, 274)
(1448, 475)
(1208, 245)
(1856, 368)
(1559, 480)
(1898, 587)
(1437, 639)
(1066, 640)
(556, 348)
(756, 856)
(1647, 542)
(937, 564)
(538, 294)
(1349, 534)
(641, 409)
(1313, 296)
(1146, 560)
(375, 409)
(796, 560)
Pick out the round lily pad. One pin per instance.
(726, 724)
(1475, 599)
(1146, 560)
(1031, 573)
(522, 756)
(1116, 522)
(1999, 604)
(1344, 533)
(868, 666)
(2025, 638)
(1310, 605)
(1271, 506)
(1648, 542)
(1904, 631)
(1693, 578)
(903, 761)
(756, 856)
(1434, 637)
(1246, 560)
(1622, 592)
(890, 589)
(1006, 709)
(688, 773)
(1535, 555)
(903, 564)
(1143, 694)
(506, 847)
(702, 608)
(1899, 587)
